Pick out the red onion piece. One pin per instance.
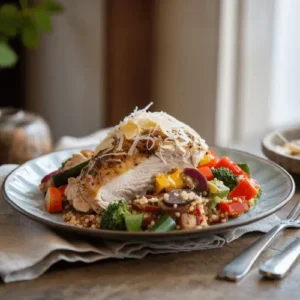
(198, 179)
(50, 175)
(171, 210)
(175, 198)
(198, 220)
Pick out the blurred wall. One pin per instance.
(207, 62)
(186, 39)
(254, 68)
(64, 77)
(286, 64)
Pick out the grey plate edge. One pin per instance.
(151, 236)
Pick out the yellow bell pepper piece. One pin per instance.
(169, 181)
(212, 188)
(161, 182)
(175, 179)
(205, 160)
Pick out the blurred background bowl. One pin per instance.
(270, 147)
(23, 136)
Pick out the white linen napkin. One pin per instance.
(28, 249)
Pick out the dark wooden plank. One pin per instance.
(129, 56)
(170, 276)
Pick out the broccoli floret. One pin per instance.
(113, 216)
(256, 198)
(225, 175)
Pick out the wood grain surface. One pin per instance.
(173, 276)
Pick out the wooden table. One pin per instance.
(173, 276)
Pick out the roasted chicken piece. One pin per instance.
(126, 162)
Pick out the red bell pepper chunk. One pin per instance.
(226, 162)
(213, 160)
(234, 208)
(244, 189)
(199, 215)
(53, 200)
(206, 172)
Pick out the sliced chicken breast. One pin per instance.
(134, 181)
(128, 159)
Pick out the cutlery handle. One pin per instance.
(278, 266)
(239, 267)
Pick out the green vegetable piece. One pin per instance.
(62, 178)
(64, 162)
(164, 224)
(245, 168)
(113, 217)
(225, 175)
(212, 204)
(134, 222)
(218, 189)
(257, 197)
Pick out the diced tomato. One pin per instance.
(53, 200)
(244, 189)
(226, 162)
(234, 208)
(206, 172)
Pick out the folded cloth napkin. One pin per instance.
(28, 249)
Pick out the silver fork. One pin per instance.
(240, 266)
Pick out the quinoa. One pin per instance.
(86, 220)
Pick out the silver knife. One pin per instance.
(279, 265)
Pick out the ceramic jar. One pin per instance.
(23, 136)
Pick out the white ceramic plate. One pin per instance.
(21, 190)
